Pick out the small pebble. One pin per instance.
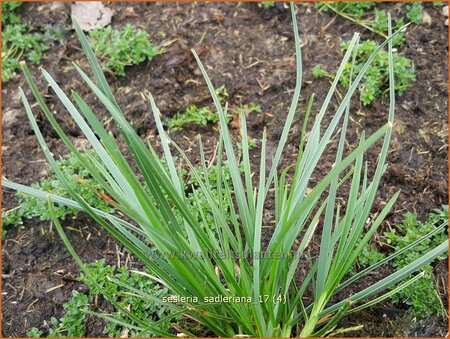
(426, 18)
(445, 13)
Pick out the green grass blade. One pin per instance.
(246, 165)
(42, 195)
(239, 191)
(100, 150)
(257, 236)
(293, 106)
(95, 66)
(389, 294)
(165, 141)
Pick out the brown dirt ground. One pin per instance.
(250, 51)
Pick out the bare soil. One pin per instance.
(250, 51)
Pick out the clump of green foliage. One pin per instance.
(9, 17)
(368, 16)
(268, 4)
(375, 82)
(72, 324)
(100, 282)
(421, 295)
(118, 48)
(414, 12)
(379, 26)
(376, 79)
(319, 72)
(196, 115)
(356, 9)
(20, 42)
(34, 333)
(193, 115)
(80, 180)
(369, 256)
(246, 109)
(204, 115)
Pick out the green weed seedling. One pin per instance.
(414, 12)
(267, 4)
(118, 48)
(205, 115)
(9, 17)
(375, 81)
(379, 26)
(248, 108)
(193, 115)
(368, 16)
(80, 179)
(20, 42)
(354, 9)
(34, 333)
(72, 324)
(319, 72)
(422, 295)
(108, 278)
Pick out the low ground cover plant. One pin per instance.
(267, 4)
(20, 42)
(81, 181)
(356, 9)
(76, 310)
(375, 83)
(422, 296)
(118, 48)
(9, 17)
(414, 12)
(72, 324)
(367, 15)
(196, 115)
(221, 275)
(205, 115)
(99, 280)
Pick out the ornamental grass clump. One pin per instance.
(220, 275)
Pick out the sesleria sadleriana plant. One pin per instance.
(260, 292)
